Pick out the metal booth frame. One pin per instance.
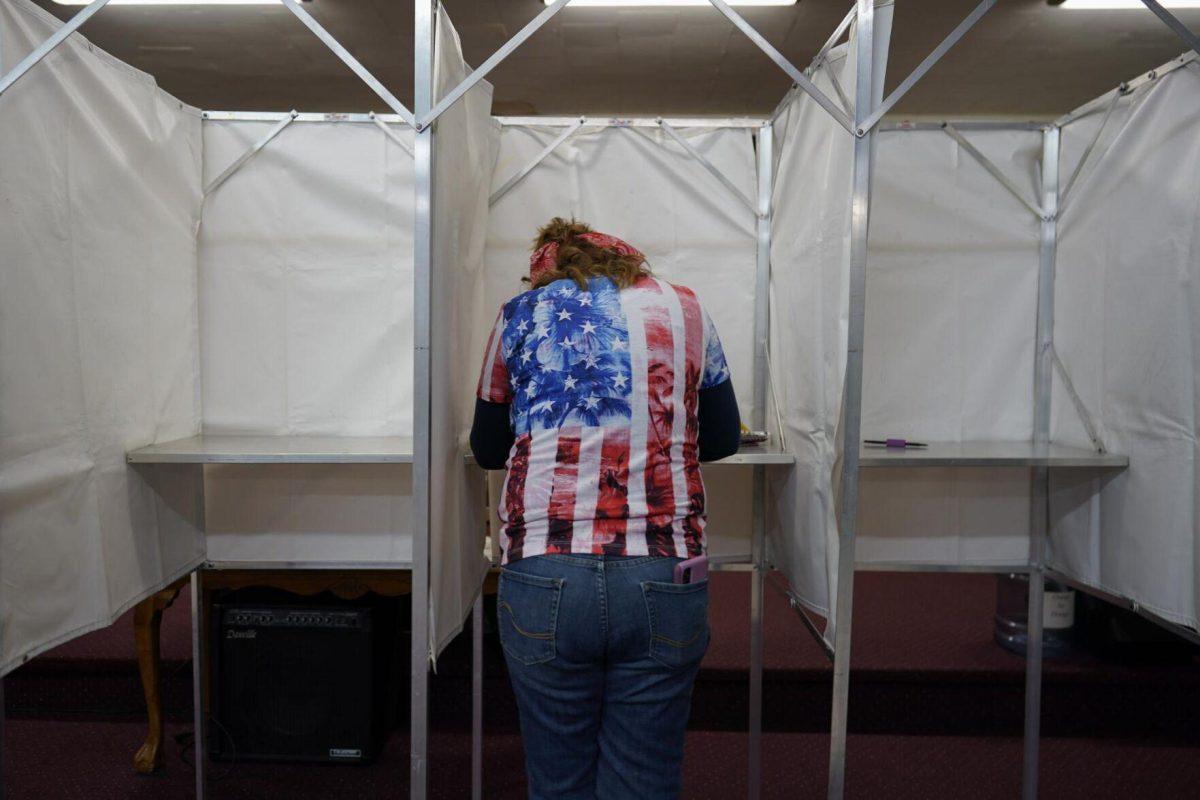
(861, 119)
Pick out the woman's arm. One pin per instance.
(491, 434)
(720, 423)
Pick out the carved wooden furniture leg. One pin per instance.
(147, 622)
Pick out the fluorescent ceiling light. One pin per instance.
(175, 2)
(1121, 5)
(580, 3)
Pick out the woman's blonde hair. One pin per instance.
(579, 260)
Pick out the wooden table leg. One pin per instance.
(147, 623)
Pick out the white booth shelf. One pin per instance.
(766, 453)
(213, 449)
(746, 454)
(989, 454)
(206, 449)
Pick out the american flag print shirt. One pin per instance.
(603, 391)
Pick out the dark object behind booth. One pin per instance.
(302, 679)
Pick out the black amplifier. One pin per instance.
(297, 682)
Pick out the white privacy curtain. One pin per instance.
(951, 304)
(810, 262)
(952, 281)
(1127, 326)
(306, 287)
(99, 199)
(640, 185)
(464, 153)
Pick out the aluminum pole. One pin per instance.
(1048, 245)
(1039, 504)
(198, 681)
(762, 308)
(762, 273)
(757, 576)
(1, 738)
(860, 207)
(476, 699)
(423, 144)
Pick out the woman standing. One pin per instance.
(602, 390)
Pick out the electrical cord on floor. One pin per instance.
(186, 740)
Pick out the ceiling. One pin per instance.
(1025, 59)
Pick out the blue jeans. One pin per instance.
(602, 652)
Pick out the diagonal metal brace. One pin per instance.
(1117, 94)
(1085, 417)
(798, 606)
(708, 165)
(1174, 24)
(483, 69)
(993, 170)
(926, 65)
(389, 133)
(350, 61)
(237, 164)
(57, 38)
(822, 58)
(538, 159)
(834, 37)
(797, 76)
(837, 85)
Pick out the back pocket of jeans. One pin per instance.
(527, 611)
(678, 621)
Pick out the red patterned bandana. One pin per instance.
(545, 258)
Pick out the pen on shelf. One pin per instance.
(898, 443)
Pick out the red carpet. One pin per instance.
(89, 760)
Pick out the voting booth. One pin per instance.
(238, 340)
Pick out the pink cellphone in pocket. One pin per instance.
(693, 570)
